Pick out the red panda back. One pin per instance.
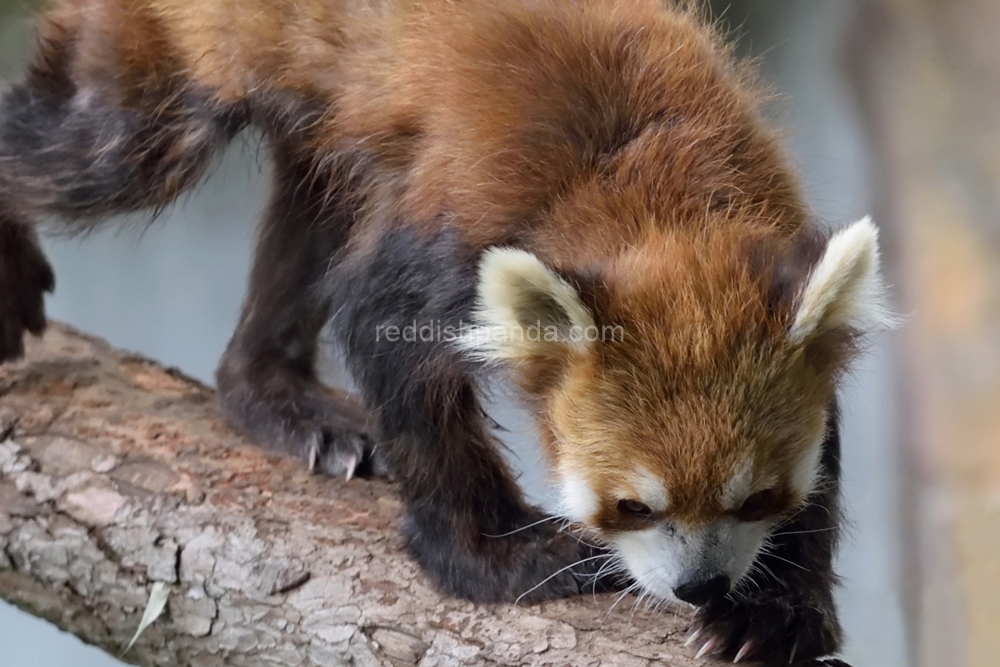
(576, 128)
(547, 121)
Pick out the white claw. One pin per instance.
(313, 456)
(707, 648)
(743, 652)
(351, 464)
(692, 638)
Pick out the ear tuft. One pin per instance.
(523, 308)
(845, 288)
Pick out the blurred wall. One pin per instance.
(929, 71)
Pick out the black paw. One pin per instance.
(330, 431)
(339, 449)
(784, 630)
(327, 429)
(25, 276)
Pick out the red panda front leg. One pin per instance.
(397, 312)
(787, 615)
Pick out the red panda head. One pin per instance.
(683, 389)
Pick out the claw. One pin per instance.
(743, 652)
(707, 648)
(313, 455)
(692, 638)
(795, 648)
(351, 464)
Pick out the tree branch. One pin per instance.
(116, 473)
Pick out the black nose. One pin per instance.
(703, 591)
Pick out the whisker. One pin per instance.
(773, 555)
(558, 572)
(635, 605)
(579, 540)
(518, 530)
(660, 604)
(621, 597)
(613, 566)
(771, 574)
(751, 580)
(804, 532)
(742, 586)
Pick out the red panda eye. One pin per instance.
(757, 506)
(634, 508)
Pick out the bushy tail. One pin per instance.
(81, 151)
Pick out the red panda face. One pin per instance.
(686, 469)
(684, 411)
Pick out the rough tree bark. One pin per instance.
(116, 473)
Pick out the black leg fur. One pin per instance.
(25, 276)
(466, 521)
(791, 618)
(267, 382)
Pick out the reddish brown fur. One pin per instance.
(645, 162)
(718, 383)
(631, 114)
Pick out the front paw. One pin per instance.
(773, 630)
(25, 277)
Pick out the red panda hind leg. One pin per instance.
(267, 382)
(76, 146)
(74, 150)
(23, 265)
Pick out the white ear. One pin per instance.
(845, 289)
(523, 307)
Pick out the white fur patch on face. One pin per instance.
(524, 305)
(845, 289)
(577, 499)
(657, 558)
(661, 558)
(650, 489)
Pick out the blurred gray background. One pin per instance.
(172, 291)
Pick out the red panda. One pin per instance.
(581, 195)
